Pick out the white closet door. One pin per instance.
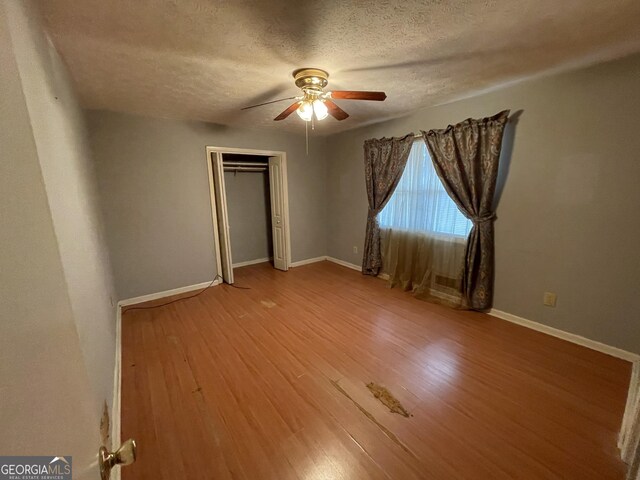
(223, 217)
(278, 218)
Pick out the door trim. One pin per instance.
(116, 405)
(212, 196)
(224, 237)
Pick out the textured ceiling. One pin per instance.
(205, 59)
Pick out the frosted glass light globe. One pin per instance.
(320, 109)
(305, 111)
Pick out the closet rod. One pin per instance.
(245, 164)
(245, 169)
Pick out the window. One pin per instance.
(420, 202)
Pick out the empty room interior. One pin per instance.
(311, 240)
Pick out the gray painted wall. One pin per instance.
(154, 190)
(58, 128)
(47, 402)
(248, 205)
(568, 212)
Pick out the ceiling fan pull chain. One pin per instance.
(306, 136)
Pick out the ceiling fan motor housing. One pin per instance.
(311, 80)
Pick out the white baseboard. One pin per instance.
(167, 293)
(345, 264)
(330, 259)
(250, 262)
(307, 261)
(570, 337)
(116, 406)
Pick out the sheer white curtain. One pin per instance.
(421, 204)
(424, 233)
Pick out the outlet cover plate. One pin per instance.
(549, 299)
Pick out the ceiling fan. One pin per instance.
(314, 101)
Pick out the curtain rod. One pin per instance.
(509, 119)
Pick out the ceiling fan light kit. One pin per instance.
(315, 103)
(308, 109)
(311, 81)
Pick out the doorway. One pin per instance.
(249, 208)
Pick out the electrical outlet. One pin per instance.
(549, 299)
(355, 249)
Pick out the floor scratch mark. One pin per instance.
(384, 429)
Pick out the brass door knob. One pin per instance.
(125, 455)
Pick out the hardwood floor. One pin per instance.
(269, 383)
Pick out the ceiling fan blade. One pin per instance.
(351, 95)
(289, 110)
(267, 103)
(335, 111)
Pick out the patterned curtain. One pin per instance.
(466, 157)
(384, 162)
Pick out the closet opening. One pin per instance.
(249, 208)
